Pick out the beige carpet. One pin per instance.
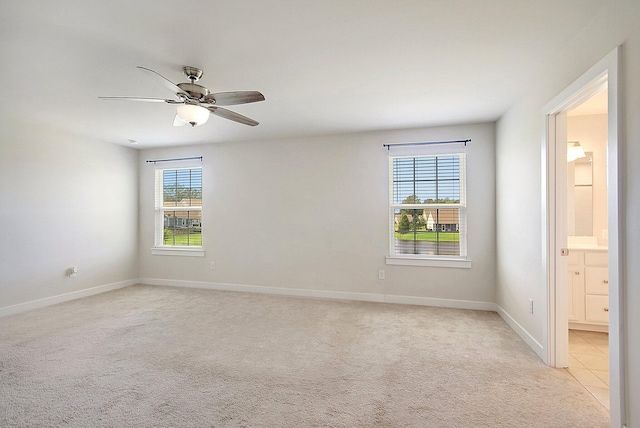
(160, 356)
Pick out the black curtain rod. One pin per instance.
(176, 159)
(388, 146)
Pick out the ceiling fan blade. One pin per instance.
(231, 115)
(177, 121)
(163, 80)
(233, 98)
(148, 100)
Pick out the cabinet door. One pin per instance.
(597, 309)
(597, 280)
(575, 282)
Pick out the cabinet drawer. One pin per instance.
(596, 258)
(597, 309)
(597, 280)
(575, 258)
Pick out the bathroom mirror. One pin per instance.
(580, 196)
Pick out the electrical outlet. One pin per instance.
(531, 306)
(380, 274)
(73, 272)
(213, 265)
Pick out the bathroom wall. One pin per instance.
(591, 132)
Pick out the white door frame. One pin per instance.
(606, 72)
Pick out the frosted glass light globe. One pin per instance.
(193, 114)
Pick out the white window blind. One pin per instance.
(178, 207)
(428, 206)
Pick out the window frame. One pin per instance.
(456, 261)
(159, 247)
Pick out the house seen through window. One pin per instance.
(428, 206)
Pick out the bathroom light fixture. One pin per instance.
(574, 151)
(192, 114)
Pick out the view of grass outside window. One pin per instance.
(180, 207)
(428, 205)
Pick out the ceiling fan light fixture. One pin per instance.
(194, 115)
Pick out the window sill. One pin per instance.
(431, 262)
(178, 251)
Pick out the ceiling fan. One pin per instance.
(195, 102)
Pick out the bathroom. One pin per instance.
(587, 278)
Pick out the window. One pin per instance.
(178, 211)
(428, 207)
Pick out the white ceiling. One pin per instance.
(327, 66)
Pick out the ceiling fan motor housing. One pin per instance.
(194, 90)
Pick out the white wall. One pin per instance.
(312, 214)
(519, 190)
(64, 201)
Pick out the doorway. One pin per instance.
(587, 243)
(557, 252)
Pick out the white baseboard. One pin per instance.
(441, 303)
(48, 301)
(325, 294)
(524, 334)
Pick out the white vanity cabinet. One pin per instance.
(588, 287)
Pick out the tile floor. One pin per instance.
(589, 362)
